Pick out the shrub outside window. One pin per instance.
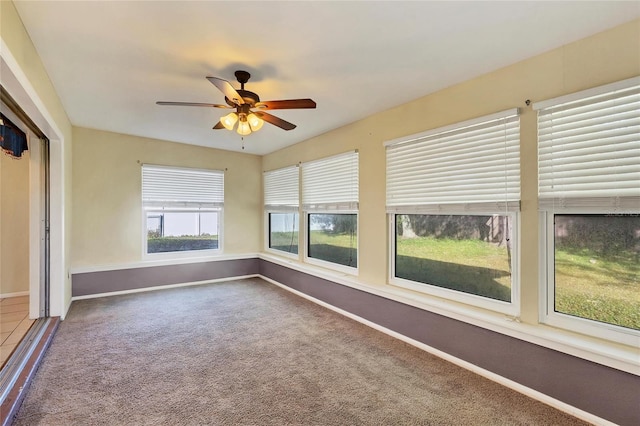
(182, 209)
(174, 231)
(453, 197)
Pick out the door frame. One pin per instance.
(16, 83)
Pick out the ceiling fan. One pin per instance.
(249, 109)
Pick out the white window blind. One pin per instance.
(281, 189)
(164, 186)
(469, 166)
(589, 148)
(331, 183)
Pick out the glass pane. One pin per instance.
(597, 268)
(471, 254)
(283, 232)
(334, 238)
(181, 231)
(154, 224)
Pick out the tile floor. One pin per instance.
(14, 324)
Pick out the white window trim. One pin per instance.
(548, 315)
(349, 270)
(267, 236)
(282, 207)
(603, 202)
(511, 309)
(175, 208)
(509, 205)
(329, 206)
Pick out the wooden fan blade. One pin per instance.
(218, 126)
(286, 104)
(227, 89)
(196, 104)
(275, 120)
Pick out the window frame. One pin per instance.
(267, 233)
(548, 314)
(169, 208)
(551, 203)
(285, 204)
(477, 204)
(184, 253)
(340, 206)
(325, 263)
(511, 308)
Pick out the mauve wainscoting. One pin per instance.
(88, 283)
(603, 391)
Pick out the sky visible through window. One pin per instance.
(184, 223)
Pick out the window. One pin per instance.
(453, 196)
(333, 238)
(283, 232)
(589, 197)
(281, 195)
(468, 253)
(182, 209)
(330, 203)
(597, 267)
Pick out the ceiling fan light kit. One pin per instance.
(244, 101)
(255, 122)
(228, 121)
(247, 122)
(243, 128)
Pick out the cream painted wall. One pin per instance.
(17, 39)
(603, 58)
(31, 88)
(107, 202)
(14, 224)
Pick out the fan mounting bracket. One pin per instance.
(242, 76)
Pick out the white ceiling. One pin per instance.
(111, 61)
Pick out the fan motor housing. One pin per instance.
(249, 97)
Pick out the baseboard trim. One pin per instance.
(532, 393)
(161, 287)
(16, 294)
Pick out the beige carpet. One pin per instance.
(248, 353)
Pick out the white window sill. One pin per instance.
(348, 271)
(275, 252)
